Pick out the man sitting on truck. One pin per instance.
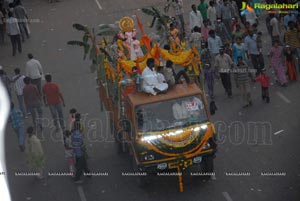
(151, 83)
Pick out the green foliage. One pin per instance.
(160, 20)
(149, 11)
(80, 27)
(75, 42)
(86, 50)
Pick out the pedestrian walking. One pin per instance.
(253, 52)
(22, 17)
(287, 18)
(268, 25)
(219, 7)
(276, 55)
(214, 44)
(69, 155)
(209, 76)
(78, 122)
(33, 102)
(53, 98)
(227, 16)
(17, 123)
(222, 32)
(242, 77)
(34, 71)
(292, 38)
(6, 81)
(18, 79)
(212, 14)
(79, 151)
(223, 66)
(202, 7)
(237, 33)
(72, 113)
(196, 38)
(264, 81)
(35, 154)
(196, 19)
(239, 50)
(275, 28)
(13, 30)
(205, 31)
(289, 61)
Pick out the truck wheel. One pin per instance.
(141, 180)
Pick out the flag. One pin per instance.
(140, 24)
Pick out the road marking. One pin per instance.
(227, 196)
(283, 97)
(99, 5)
(278, 132)
(81, 193)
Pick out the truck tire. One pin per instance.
(141, 181)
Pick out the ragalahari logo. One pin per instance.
(246, 8)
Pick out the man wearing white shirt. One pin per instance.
(34, 71)
(212, 14)
(151, 83)
(196, 19)
(275, 28)
(13, 30)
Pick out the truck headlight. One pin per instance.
(162, 166)
(207, 146)
(197, 159)
(149, 157)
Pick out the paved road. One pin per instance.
(239, 150)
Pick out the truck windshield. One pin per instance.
(170, 114)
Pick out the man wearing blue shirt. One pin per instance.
(79, 153)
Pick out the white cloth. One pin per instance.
(212, 15)
(151, 81)
(275, 25)
(161, 78)
(179, 111)
(34, 146)
(12, 27)
(195, 19)
(135, 50)
(19, 84)
(34, 69)
(251, 17)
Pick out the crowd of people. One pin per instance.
(14, 23)
(231, 45)
(31, 96)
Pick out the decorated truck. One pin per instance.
(169, 131)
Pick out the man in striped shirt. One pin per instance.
(18, 79)
(292, 38)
